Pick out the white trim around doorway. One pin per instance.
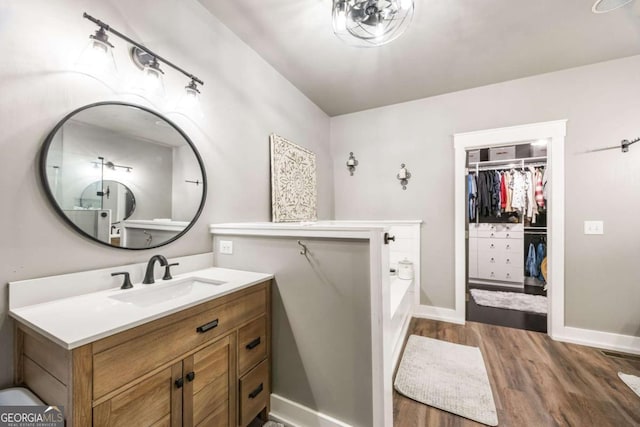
(555, 132)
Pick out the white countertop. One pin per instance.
(75, 321)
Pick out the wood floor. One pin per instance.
(505, 317)
(535, 381)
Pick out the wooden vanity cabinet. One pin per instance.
(204, 366)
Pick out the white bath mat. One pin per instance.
(632, 381)
(511, 300)
(447, 376)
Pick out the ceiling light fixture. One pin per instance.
(370, 23)
(604, 6)
(142, 56)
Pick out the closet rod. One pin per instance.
(524, 159)
(511, 166)
(534, 232)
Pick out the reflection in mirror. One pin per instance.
(112, 195)
(121, 174)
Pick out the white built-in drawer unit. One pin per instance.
(496, 252)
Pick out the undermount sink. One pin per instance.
(161, 292)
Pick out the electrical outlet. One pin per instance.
(226, 247)
(593, 227)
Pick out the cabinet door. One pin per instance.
(155, 401)
(207, 394)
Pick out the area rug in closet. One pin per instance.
(447, 376)
(632, 381)
(511, 300)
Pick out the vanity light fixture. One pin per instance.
(142, 56)
(403, 175)
(371, 23)
(352, 163)
(110, 165)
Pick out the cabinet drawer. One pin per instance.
(252, 344)
(498, 260)
(254, 392)
(504, 234)
(125, 362)
(501, 272)
(506, 246)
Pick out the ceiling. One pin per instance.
(451, 45)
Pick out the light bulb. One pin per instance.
(380, 29)
(189, 103)
(341, 21)
(97, 59)
(150, 83)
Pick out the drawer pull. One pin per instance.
(507, 234)
(253, 344)
(508, 247)
(508, 261)
(492, 246)
(256, 392)
(493, 260)
(179, 382)
(191, 376)
(207, 327)
(492, 234)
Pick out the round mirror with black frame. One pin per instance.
(123, 175)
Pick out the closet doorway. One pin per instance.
(507, 210)
(505, 229)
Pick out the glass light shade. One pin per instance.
(96, 60)
(371, 23)
(189, 103)
(150, 83)
(152, 80)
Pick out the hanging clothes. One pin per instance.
(472, 189)
(518, 188)
(539, 188)
(532, 206)
(503, 191)
(507, 183)
(495, 194)
(541, 254)
(485, 184)
(531, 266)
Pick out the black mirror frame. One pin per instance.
(44, 151)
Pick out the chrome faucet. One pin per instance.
(148, 275)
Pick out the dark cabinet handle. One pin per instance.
(253, 344)
(191, 376)
(256, 392)
(179, 382)
(388, 238)
(207, 327)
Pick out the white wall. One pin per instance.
(244, 100)
(601, 103)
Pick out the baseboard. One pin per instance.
(438, 313)
(293, 414)
(605, 340)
